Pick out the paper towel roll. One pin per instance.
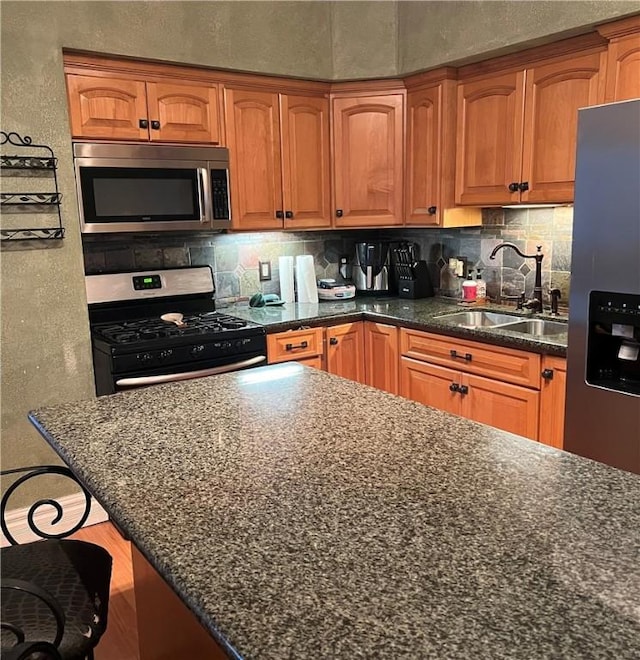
(306, 279)
(287, 291)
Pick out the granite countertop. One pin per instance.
(367, 526)
(416, 314)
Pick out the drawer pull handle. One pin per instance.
(547, 374)
(291, 347)
(454, 387)
(455, 355)
(464, 389)
(333, 341)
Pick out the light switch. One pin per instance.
(264, 269)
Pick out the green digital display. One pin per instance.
(148, 280)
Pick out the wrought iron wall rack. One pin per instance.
(30, 202)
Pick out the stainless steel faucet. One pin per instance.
(535, 303)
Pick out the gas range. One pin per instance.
(133, 345)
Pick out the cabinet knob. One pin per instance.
(279, 214)
(454, 387)
(155, 125)
(547, 374)
(514, 187)
(464, 389)
(288, 214)
(333, 341)
(338, 213)
(524, 186)
(432, 210)
(143, 123)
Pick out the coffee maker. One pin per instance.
(371, 270)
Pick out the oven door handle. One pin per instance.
(187, 375)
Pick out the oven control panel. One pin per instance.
(144, 282)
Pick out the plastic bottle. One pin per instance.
(469, 287)
(481, 289)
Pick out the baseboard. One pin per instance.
(72, 506)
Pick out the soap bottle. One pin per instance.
(469, 289)
(481, 289)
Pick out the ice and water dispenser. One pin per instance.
(613, 347)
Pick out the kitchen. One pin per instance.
(52, 363)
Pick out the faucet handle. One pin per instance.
(555, 296)
(519, 298)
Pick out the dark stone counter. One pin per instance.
(302, 515)
(416, 314)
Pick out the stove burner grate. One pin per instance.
(128, 332)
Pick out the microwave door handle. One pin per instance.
(202, 194)
(188, 375)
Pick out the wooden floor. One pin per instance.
(120, 641)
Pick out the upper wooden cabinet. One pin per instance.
(430, 153)
(517, 129)
(279, 159)
(623, 59)
(368, 159)
(120, 108)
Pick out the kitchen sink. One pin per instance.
(536, 327)
(479, 319)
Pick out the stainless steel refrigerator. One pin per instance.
(603, 378)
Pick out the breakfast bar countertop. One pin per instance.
(428, 314)
(302, 515)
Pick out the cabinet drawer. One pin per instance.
(506, 364)
(315, 362)
(294, 345)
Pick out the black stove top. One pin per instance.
(196, 326)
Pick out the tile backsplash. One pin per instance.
(234, 257)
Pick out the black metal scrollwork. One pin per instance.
(32, 202)
(31, 472)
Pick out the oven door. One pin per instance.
(119, 195)
(108, 382)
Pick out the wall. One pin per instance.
(439, 32)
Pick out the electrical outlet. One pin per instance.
(264, 270)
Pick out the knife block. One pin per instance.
(419, 286)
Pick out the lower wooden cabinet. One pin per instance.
(381, 351)
(508, 407)
(304, 344)
(490, 384)
(510, 389)
(552, 400)
(345, 350)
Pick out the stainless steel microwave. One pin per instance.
(149, 187)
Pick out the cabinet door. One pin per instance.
(111, 108)
(305, 161)
(381, 356)
(368, 160)
(424, 155)
(185, 113)
(489, 145)
(345, 351)
(253, 138)
(508, 407)
(623, 69)
(552, 401)
(554, 93)
(430, 385)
